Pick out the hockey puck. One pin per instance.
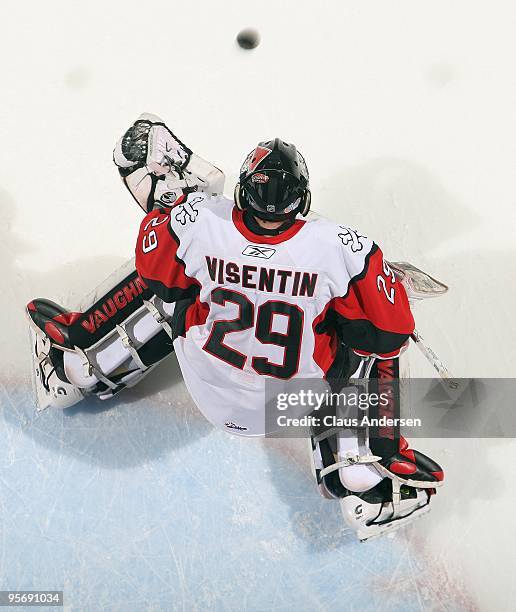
(248, 39)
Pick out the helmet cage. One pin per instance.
(275, 192)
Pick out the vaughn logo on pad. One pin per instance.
(258, 251)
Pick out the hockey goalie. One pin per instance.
(243, 290)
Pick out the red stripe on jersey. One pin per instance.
(325, 349)
(156, 253)
(196, 314)
(238, 220)
(367, 299)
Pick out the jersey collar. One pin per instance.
(237, 216)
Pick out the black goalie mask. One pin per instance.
(273, 182)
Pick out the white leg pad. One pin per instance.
(110, 352)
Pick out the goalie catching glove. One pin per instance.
(158, 169)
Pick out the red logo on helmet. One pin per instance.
(259, 154)
(259, 178)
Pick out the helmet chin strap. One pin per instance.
(256, 228)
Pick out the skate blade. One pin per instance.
(376, 531)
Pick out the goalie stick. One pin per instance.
(449, 381)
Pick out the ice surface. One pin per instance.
(405, 113)
(141, 505)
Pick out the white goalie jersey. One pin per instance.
(251, 307)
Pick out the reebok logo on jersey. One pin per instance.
(258, 251)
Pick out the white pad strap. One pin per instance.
(419, 484)
(84, 368)
(130, 344)
(89, 369)
(327, 433)
(349, 461)
(158, 315)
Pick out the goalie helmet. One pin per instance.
(273, 182)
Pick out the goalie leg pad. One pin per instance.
(63, 376)
(382, 484)
(63, 356)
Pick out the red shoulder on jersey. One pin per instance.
(374, 316)
(157, 261)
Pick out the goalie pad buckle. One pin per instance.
(350, 460)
